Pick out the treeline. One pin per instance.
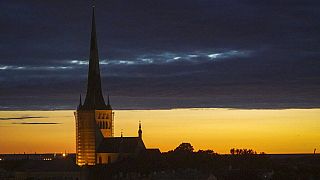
(234, 151)
(184, 162)
(188, 148)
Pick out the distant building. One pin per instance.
(55, 169)
(33, 157)
(95, 141)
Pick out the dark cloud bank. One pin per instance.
(162, 54)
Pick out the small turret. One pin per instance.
(108, 105)
(140, 131)
(80, 103)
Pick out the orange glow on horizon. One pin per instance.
(270, 131)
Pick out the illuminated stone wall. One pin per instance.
(85, 138)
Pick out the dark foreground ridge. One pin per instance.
(181, 163)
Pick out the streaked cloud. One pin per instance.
(23, 118)
(229, 54)
(2, 67)
(215, 55)
(169, 57)
(79, 62)
(34, 68)
(37, 123)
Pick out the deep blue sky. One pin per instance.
(162, 54)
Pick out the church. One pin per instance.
(95, 141)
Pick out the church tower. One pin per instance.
(94, 118)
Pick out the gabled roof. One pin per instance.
(121, 145)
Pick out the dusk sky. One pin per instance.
(162, 54)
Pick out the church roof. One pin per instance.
(94, 97)
(121, 145)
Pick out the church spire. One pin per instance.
(94, 98)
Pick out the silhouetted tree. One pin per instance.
(237, 151)
(232, 151)
(242, 151)
(185, 148)
(208, 152)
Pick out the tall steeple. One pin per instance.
(94, 119)
(94, 98)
